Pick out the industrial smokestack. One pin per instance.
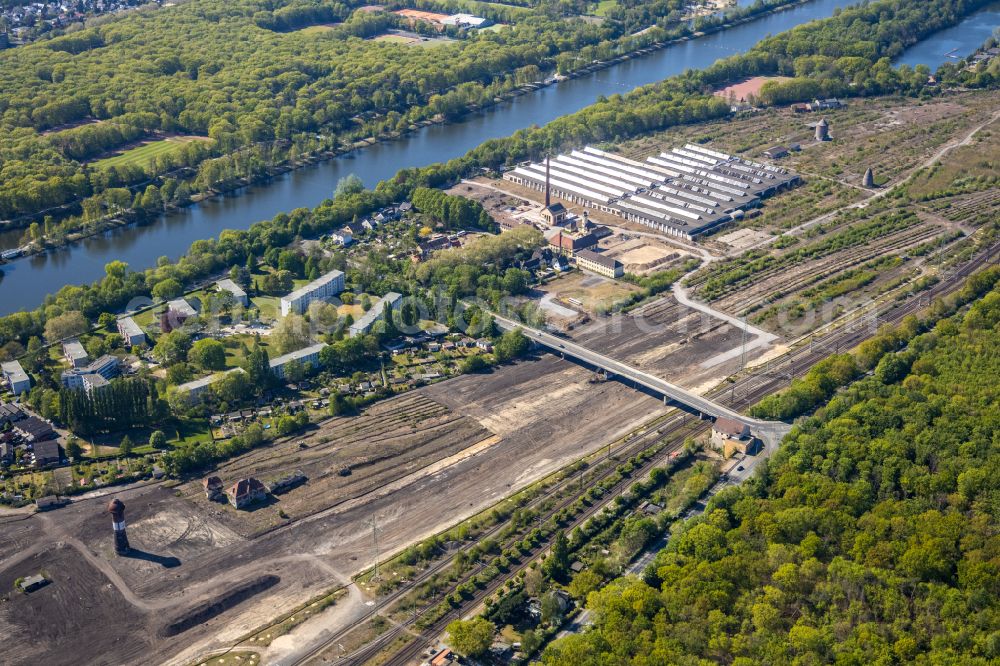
(548, 200)
(117, 510)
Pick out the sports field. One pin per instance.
(146, 151)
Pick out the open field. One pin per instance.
(594, 293)
(388, 441)
(142, 154)
(745, 89)
(317, 29)
(412, 38)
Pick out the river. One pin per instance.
(956, 42)
(27, 281)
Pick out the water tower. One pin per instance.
(117, 510)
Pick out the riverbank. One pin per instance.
(118, 221)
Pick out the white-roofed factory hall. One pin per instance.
(684, 192)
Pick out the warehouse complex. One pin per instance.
(685, 192)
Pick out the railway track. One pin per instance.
(743, 391)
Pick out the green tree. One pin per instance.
(167, 289)
(157, 439)
(125, 447)
(471, 637)
(556, 565)
(73, 449)
(208, 353)
(172, 347)
(66, 325)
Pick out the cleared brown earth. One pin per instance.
(666, 339)
(544, 412)
(391, 439)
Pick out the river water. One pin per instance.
(954, 43)
(27, 281)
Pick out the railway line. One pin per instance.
(745, 390)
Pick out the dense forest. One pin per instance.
(244, 75)
(850, 50)
(870, 538)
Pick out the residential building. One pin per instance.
(732, 436)
(343, 236)
(322, 288)
(46, 453)
(9, 413)
(239, 295)
(182, 307)
(74, 353)
(376, 312)
(16, 377)
(197, 387)
(131, 333)
(106, 367)
(599, 263)
(245, 492)
(307, 356)
(33, 429)
(213, 488)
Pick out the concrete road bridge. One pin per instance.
(769, 431)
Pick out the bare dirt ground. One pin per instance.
(592, 293)
(187, 554)
(641, 255)
(667, 339)
(391, 439)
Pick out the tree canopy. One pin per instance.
(871, 537)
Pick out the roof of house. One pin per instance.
(48, 449)
(246, 486)
(34, 426)
(297, 355)
(314, 285)
(14, 371)
(74, 350)
(555, 208)
(10, 412)
(597, 258)
(375, 311)
(212, 482)
(731, 427)
(182, 306)
(129, 328)
(231, 287)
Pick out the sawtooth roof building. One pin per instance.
(685, 192)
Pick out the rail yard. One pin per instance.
(767, 297)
